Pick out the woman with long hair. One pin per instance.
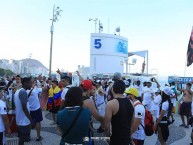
(74, 120)
(74, 133)
(162, 123)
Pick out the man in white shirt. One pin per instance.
(23, 118)
(4, 122)
(100, 102)
(146, 95)
(173, 98)
(137, 129)
(35, 110)
(139, 87)
(155, 104)
(66, 82)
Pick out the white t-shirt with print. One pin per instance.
(34, 103)
(165, 107)
(139, 134)
(21, 118)
(2, 112)
(155, 104)
(147, 93)
(65, 90)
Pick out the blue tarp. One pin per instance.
(182, 80)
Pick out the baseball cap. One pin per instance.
(132, 91)
(117, 76)
(167, 90)
(86, 84)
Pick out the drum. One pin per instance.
(12, 121)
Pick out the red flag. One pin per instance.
(190, 50)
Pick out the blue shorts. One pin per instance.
(36, 115)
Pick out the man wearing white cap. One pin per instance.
(146, 95)
(155, 104)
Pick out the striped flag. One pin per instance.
(190, 50)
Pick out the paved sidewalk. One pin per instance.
(49, 134)
(178, 135)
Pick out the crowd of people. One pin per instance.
(119, 104)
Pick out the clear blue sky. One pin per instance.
(162, 27)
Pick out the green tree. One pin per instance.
(6, 71)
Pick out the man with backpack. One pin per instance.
(137, 129)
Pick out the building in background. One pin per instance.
(24, 67)
(84, 71)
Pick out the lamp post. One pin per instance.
(95, 20)
(100, 27)
(56, 13)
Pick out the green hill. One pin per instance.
(6, 71)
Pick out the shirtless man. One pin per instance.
(185, 109)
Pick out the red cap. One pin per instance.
(86, 84)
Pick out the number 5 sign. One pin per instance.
(97, 43)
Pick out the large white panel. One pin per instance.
(107, 53)
(108, 44)
(106, 64)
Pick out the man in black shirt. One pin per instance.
(119, 112)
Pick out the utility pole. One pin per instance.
(56, 13)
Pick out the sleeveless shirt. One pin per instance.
(121, 123)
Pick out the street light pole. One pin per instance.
(56, 13)
(95, 20)
(50, 66)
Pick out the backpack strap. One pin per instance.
(73, 122)
(137, 104)
(142, 126)
(30, 92)
(145, 109)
